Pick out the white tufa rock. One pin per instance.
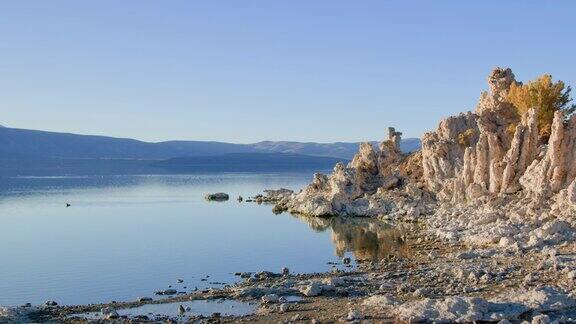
(270, 299)
(541, 319)
(467, 309)
(313, 289)
(380, 301)
(354, 315)
(482, 178)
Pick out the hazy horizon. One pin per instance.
(246, 72)
(193, 140)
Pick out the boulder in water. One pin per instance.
(219, 196)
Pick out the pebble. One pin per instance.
(529, 279)
(354, 315)
(284, 308)
(485, 278)
(169, 292)
(311, 290)
(541, 319)
(421, 292)
(270, 299)
(109, 313)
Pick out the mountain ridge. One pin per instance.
(25, 142)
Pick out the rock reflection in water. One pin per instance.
(367, 239)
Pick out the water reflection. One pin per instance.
(366, 239)
(128, 236)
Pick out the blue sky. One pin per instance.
(245, 71)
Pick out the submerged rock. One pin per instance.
(167, 292)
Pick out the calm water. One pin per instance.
(128, 236)
(196, 307)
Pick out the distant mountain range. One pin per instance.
(23, 142)
(33, 152)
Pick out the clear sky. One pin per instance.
(245, 71)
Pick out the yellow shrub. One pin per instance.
(544, 95)
(465, 138)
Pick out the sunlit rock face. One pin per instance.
(491, 152)
(466, 157)
(500, 185)
(442, 155)
(556, 170)
(346, 191)
(469, 159)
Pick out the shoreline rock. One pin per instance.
(219, 196)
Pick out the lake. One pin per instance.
(125, 237)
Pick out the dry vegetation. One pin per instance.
(544, 95)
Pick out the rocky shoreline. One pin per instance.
(490, 210)
(436, 281)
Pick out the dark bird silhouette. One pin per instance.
(68, 205)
